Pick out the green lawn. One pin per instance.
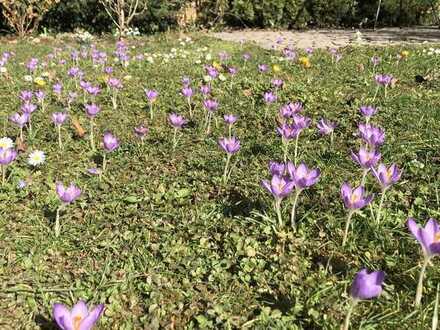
(164, 243)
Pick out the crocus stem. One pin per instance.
(230, 130)
(278, 211)
(293, 213)
(208, 124)
(347, 225)
(30, 124)
(151, 110)
(382, 198)
(21, 134)
(364, 177)
(419, 291)
(331, 140)
(265, 111)
(190, 108)
(3, 174)
(350, 311)
(57, 223)
(375, 94)
(104, 162)
(92, 138)
(385, 92)
(286, 149)
(435, 316)
(114, 101)
(296, 149)
(175, 139)
(60, 143)
(225, 173)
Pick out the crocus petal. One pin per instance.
(92, 318)
(80, 310)
(345, 190)
(414, 229)
(62, 317)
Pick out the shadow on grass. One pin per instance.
(236, 204)
(44, 323)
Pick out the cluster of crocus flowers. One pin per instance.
(293, 124)
(366, 285)
(429, 240)
(286, 178)
(231, 146)
(80, 317)
(67, 195)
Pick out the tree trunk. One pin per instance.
(121, 17)
(377, 14)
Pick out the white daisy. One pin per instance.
(36, 158)
(6, 143)
(28, 78)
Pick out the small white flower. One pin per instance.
(36, 158)
(3, 69)
(208, 57)
(27, 78)
(221, 77)
(6, 143)
(207, 78)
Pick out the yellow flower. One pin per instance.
(404, 53)
(216, 65)
(39, 82)
(276, 68)
(305, 62)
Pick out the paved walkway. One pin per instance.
(333, 38)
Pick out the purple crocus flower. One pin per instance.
(367, 285)
(110, 142)
(28, 108)
(289, 109)
(229, 145)
(383, 79)
(75, 72)
(58, 118)
(211, 71)
(279, 186)
(276, 168)
(302, 176)
(366, 158)
(58, 88)
(32, 64)
(19, 119)
(230, 119)
(93, 90)
(108, 70)
(26, 96)
(114, 83)
(67, 194)
(277, 83)
(387, 176)
(325, 127)
(372, 135)
(355, 199)
(301, 122)
(92, 110)
(429, 239)
(186, 81)
(210, 105)
(428, 236)
(288, 131)
(269, 97)
(177, 121)
(367, 110)
(79, 318)
(151, 95)
(40, 95)
(205, 89)
(262, 67)
(187, 92)
(375, 60)
(247, 56)
(141, 131)
(7, 156)
(232, 70)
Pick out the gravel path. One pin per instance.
(333, 38)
